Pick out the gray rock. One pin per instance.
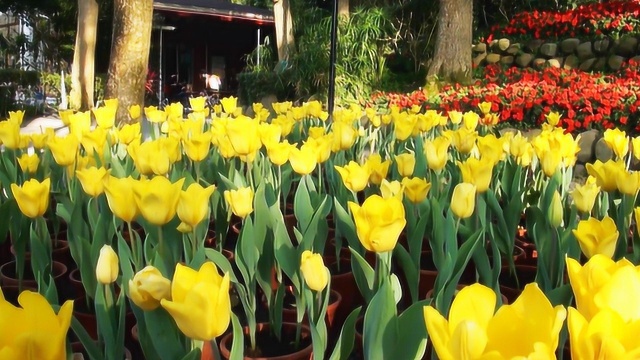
(602, 151)
(555, 62)
(571, 62)
(587, 145)
(493, 58)
(480, 48)
(615, 62)
(539, 63)
(479, 59)
(514, 49)
(568, 46)
(580, 172)
(602, 46)
(268, 101)
(626, 46)
(524, 59)
(600, 64)
(507, 60)
(585, 50)
(532, 133)
(587, 64)
(549, 50)
(534, 45)
(503, 44)
(635, 58)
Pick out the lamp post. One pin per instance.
(160, 92)
(332, 58)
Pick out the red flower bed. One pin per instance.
(613, 18)
(523, 96)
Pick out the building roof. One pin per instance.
(218, 8)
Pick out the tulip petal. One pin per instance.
(183, 280)
(474, 302)
(438, 330)
(468, 340)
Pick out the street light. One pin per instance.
(162, 28)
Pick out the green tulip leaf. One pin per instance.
(363, 274)
(237, 348)
(412, 332)
(380, 327)
(346, 340)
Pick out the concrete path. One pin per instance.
(38, 125)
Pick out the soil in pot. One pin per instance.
(84, 311)
(9, 276)
(270, 347)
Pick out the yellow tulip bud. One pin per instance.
(477, 172)
(105, 116)
(10, 134)
(240, 201)
(550, 162)
(470, 120)
(303, 160)
(354, 176)
(279, 152)
(193, 206)
(556, 212)
(64, 149)
(437, 153)
(197, 104)
(157, 199)
(135, 112)
(344, 136)
(92, 180)
(32, 197)
(553, 118)
(463, 200)
(416, 189)
(379, 222)
(584, 196)
(378, 169)
(406, 164)
(244, 134)
(107, 268)
(617, 141)
(597, 236)
(29, 163)
(200, 305)
(119, 194)
(463, 139)
(628, 182)
(485, 107)
(315, 274)
(197, 147)
(229, 104)
(148, 287)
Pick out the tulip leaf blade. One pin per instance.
(237, 348)
(410, 269)
(380, 324)
(345, 343)
(363, 274)
(412, 332)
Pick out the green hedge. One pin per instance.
(253, 86)
(20, 77)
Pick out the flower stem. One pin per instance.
(215, 350)
(134, 247)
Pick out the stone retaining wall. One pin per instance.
(598, 55)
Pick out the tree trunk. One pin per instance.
(284, 28)
(451, 61)
(132, 23)
(343, 8)
(83, 70)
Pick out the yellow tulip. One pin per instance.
(617, 141)
(79, 123)
(240, 201)
(477, 172)
(229, 104)
(244, 136)
(584, 196)
(607, 336)
(107, 267)
(521, 149)
(10, 134)
(485, 107)
(269, 134)
(470, 120)
(406, 164)
(354, 176)
(492, 148)
(604, 284)
(282, 107)
(344, 136)
(303, 160)
(152, 157)
(200, 305)
(606, 173)
(197, 147)
(174, 111)
(29, 163)
(378, 169)
(156, 116)
(316, 131)
(597, 237)
(128, 133)
(556, 210)
(16, 116)
(391, 189)
(404, 125)
(550, 162)
(32, 197)
(33, 330)
(279, 152)
(379, 222)
(119, 194)
(193, 206)
(416, 189)
(474, 332)
(135, 112)
(197, 104)
(64, 149)
(314, 108)
(321, 146)
(157, 199)
(148, 287)
(463, 139)
(553, 118)
(455, 117)
(628, 182)
(315, 274)
(94, 141)
(463, 200)
(635, 144)
(111, 103)
(39, 140)
(105, 116)
(92, 180)
(285, 123)
(437, 153)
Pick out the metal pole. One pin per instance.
(258, 51)
(332, 58)
(160, 73)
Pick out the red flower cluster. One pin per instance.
(523, 96)
(613, 18)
